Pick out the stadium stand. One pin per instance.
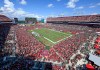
(22, 51)
(4, 18)
(75, 19)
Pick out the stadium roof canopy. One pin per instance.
(4, 18)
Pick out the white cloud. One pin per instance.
(78, 12)
(62, 14)
(98, 4)
(9, 10)
(72, 3)
(58, 0)
(51, 15)
(1, 10)
(50, 5)
(81, 7)
(94, 13)
(19, 12)
(23, 2)
(92, 6)
(8, 6)
(95, 5)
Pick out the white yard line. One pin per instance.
(57, 41)
(49, 40)
(64, 38)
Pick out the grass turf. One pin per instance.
(52, 36)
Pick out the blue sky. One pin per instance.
(48, 8)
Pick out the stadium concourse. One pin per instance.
(21, 50)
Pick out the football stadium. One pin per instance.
(60, 43)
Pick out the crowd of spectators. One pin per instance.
(87, 18)
(28, 46)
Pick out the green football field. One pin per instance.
(50, 37)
